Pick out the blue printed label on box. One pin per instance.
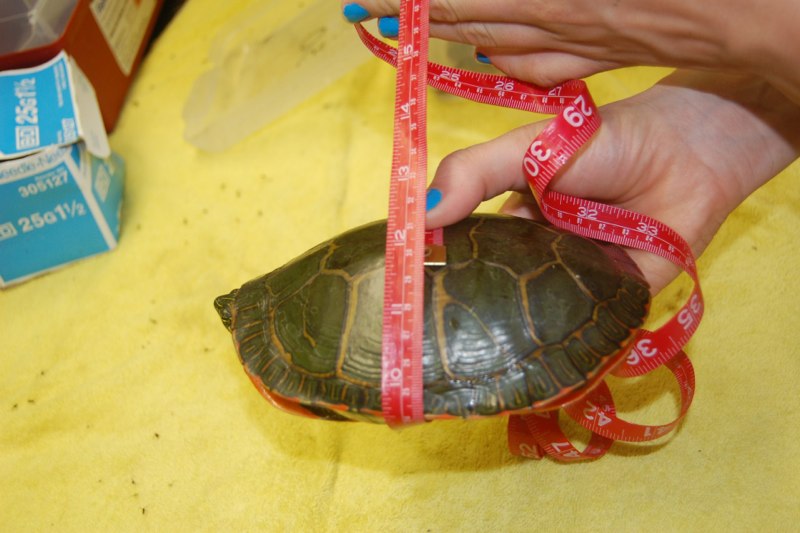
(49, 105)
(61, 188)
(57, 206)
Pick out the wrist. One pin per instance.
(762, 47)
(748, 132)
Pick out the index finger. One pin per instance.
(439, 10)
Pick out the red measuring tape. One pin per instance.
(401, 384)
(576, 120)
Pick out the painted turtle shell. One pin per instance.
(523, 317)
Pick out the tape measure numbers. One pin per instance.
(576, 120)
(401, 386)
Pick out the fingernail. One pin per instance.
(389, 27)
(432, 198)
(482, 58)
(355, 13)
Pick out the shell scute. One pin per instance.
(303, 335)
(557, 305)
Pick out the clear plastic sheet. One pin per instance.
(266, 61)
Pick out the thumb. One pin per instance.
(470, 176)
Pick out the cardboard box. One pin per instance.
(57, 206)
(61, 187)
(107, 39)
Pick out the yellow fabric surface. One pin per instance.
(123, 406)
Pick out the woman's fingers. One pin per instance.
(472, 175)
(522, 204)
(545, 69)
(468, 177)
(442, 10)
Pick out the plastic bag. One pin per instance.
(269, 59)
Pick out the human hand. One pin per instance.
(685, 152)
(547, 43)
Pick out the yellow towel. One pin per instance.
(124, 408)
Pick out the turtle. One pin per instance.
(522, 317)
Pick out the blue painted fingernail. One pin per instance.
(389, 27)
(432, 198)
(482, 58)
(355, 13)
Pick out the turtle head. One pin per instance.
(224, 306)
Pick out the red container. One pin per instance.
(106, 38)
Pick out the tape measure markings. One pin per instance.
(401, 382)
(577, 119)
